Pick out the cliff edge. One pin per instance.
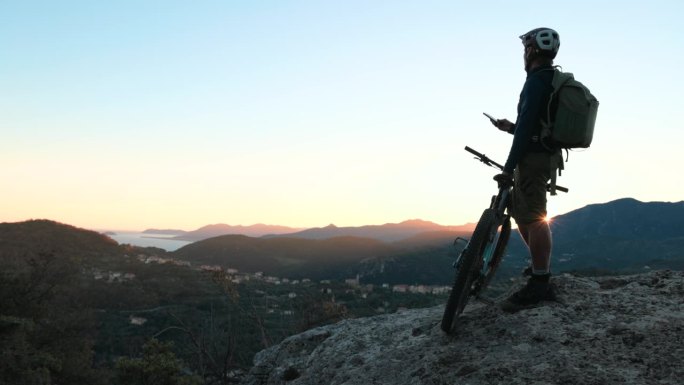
(609, 330)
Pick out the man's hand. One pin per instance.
(503, 125)
(504, 179)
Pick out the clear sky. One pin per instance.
(177, 114)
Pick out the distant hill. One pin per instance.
(22, 241)
(432, 239)
(216, 230)
(287, 257)
(622, 234)
(389, 232)
(422, 258)
(49, 236)
(622, 218)
(323, 254)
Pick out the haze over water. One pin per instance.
(161, 241)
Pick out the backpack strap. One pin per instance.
(560, 78)
(558, 81)
(556, 163)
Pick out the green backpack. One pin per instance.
(573, 126)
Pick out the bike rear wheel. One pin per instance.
(471, 261)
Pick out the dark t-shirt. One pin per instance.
(532, 109)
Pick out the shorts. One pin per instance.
(529, 192)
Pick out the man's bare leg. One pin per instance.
(537, 236)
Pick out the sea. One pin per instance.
(162, 241)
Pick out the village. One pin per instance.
(281, 295)
(237, 277)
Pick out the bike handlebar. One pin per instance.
(484, 159)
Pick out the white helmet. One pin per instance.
(546, 40)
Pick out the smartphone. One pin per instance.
(490, 117)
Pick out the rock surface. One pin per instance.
(610, 330)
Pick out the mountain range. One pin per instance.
(622, 235)
(625, 235)
(330, 252)
(388, 232)
(216, 230)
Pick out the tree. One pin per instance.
(157, 366)
(21, 362)
(45, 336)
(215, 343)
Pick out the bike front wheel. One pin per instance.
(502, 237)
(468, 270)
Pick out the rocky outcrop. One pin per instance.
(610, 330)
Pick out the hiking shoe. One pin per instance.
(527, 272)
(531, 295)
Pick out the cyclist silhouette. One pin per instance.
(530, 165)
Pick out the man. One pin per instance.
(532, 164)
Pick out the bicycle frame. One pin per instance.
(479, 259)
(500, 203)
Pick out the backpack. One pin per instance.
(572, 125)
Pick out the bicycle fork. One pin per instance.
(487, 253)
(499, 203)
(457, 263)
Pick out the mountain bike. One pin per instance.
(476, 264)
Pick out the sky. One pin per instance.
(177, 114)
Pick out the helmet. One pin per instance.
(545, 40)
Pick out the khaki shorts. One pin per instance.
(529, 192)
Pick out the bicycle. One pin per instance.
(476, 264)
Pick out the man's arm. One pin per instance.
(532, 98)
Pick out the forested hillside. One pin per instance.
(76, 308)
